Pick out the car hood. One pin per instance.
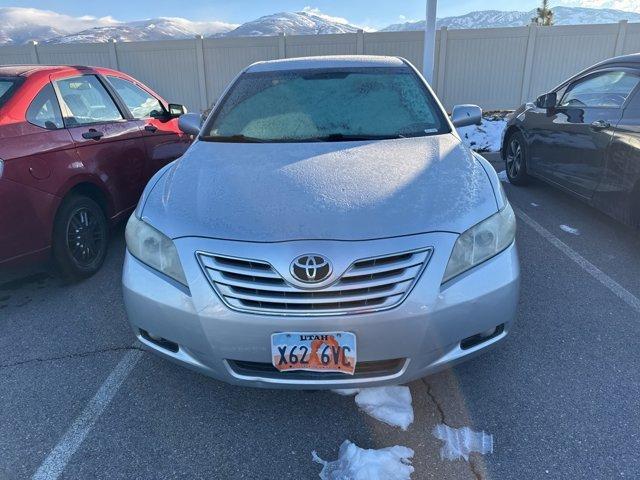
(268, 192)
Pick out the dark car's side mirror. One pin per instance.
(547, 101)
(176, 110)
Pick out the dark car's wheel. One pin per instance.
(516, 159)
(80, 234)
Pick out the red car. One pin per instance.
(77, 146)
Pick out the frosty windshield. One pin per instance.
(327, 105)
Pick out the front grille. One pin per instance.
(368, 284)
(363, 370)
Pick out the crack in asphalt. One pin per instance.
(472, 466)
(71, 355)
(435, 401)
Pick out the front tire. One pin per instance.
(516, 159)
(80, 235)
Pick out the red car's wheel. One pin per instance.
(80, 236)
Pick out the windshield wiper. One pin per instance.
(233, 139)
(342, 137)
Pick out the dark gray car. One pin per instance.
(584, 136)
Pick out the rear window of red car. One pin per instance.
(8, 86)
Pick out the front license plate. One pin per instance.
(317, 352)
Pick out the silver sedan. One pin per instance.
(327, 229)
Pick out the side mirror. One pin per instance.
(176, 110)
(547, 101)
(464, 115)
(190, 123)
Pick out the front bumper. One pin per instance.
(423, 334)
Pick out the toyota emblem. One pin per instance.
(311, 268)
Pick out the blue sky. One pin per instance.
(368, 13)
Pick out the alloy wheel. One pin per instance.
(85, 236)
(514, 158)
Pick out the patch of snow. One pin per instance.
(571, 230)
(533, 204)
(355, 463)
(485, 137)
(460, 442)
(391, 405)
(502, 175)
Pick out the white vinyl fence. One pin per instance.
(496, 68)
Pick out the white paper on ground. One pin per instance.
(460, 442)
(571, 230)
(355, 463)
(502, 175)
(391, 405)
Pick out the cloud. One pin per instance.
(318, 13)
(17, 17)
(626, 5)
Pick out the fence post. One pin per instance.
(282, 46)
(622, 33)
(34, 52)
(360, 42)
(202, 79)
(113, 54)
(528, 63)
(442, 62)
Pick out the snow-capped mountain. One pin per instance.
(496, 18)
(298, 23)
(154, 29)
(19, 25)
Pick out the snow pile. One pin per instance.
(460, 442)
(485, 137)
(571, 230)
(391, 405)
(502, 175)
(355, 463)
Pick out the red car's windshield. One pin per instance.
(8, 86)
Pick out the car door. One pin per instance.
(109, 144)
(619, 191)
(573, 142)
(163, 139)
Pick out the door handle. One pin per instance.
(151, 128)
(93, 134)
(600, 125)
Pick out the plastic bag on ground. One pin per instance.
(460, 442)
(391, 405)
(355, 463)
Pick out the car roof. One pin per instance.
(28, 70)
(323, 62)
(631, 58)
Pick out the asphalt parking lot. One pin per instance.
(560, 397)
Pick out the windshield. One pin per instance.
(8, 86)
(327, 105)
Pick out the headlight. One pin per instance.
(481, 242)
(153, 248)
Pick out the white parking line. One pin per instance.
(57, 460)
(624, 294)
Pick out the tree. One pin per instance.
(544, 15)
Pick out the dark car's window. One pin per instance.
(8, 86)
(140, 103)
(607, 89)
(87, 101)
(327, 105)
(44, 110)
